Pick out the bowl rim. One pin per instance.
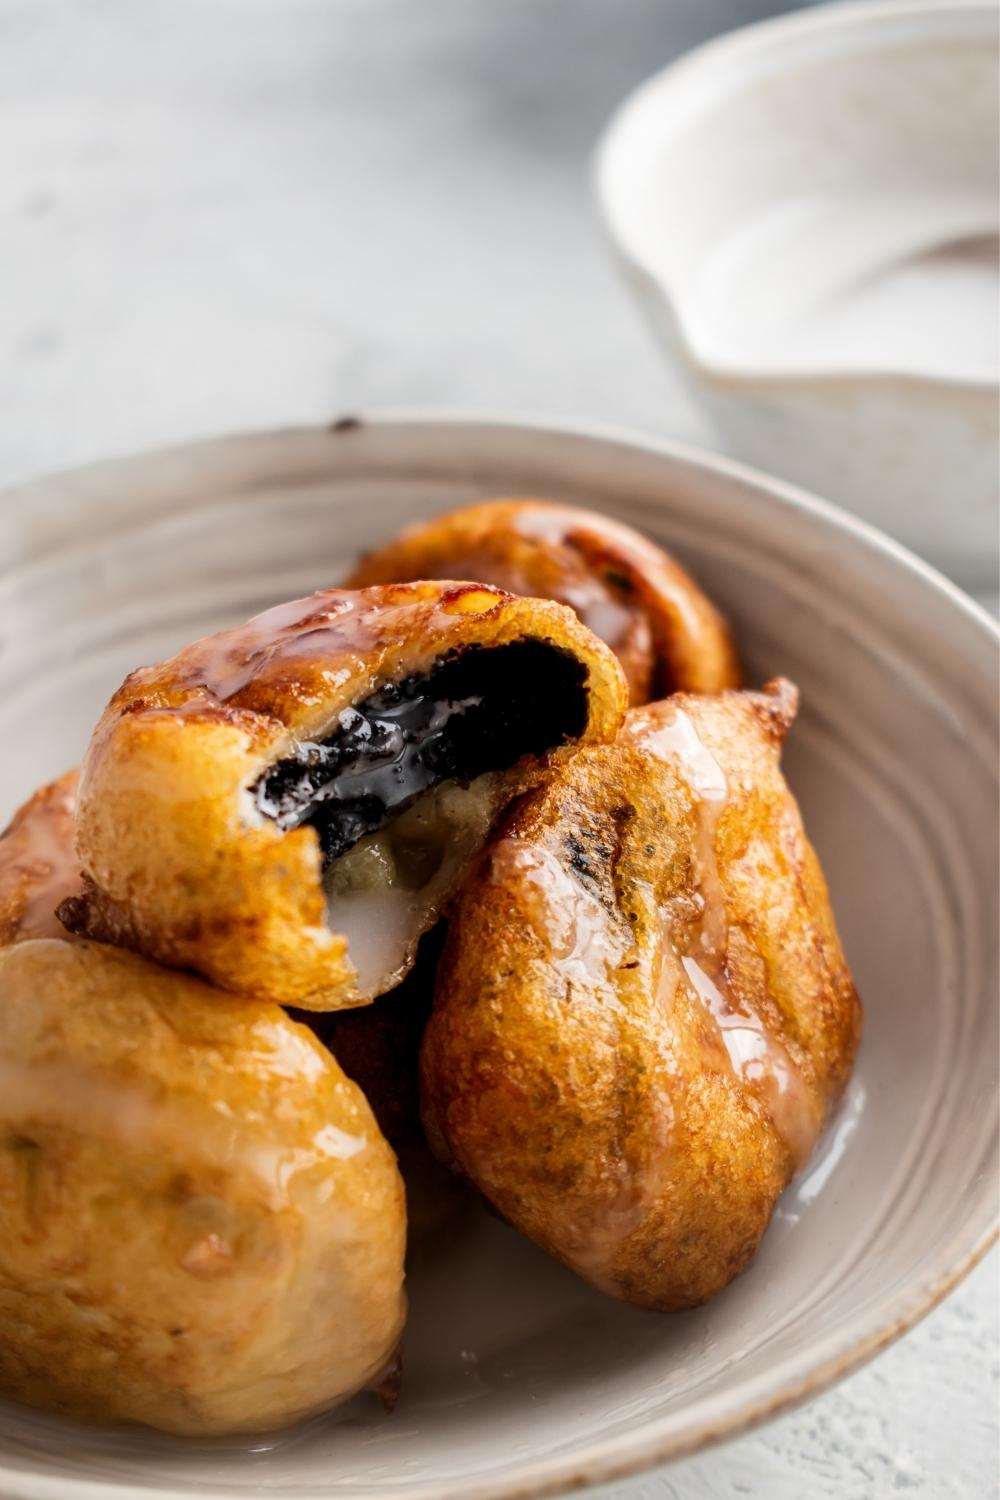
(28, 491)
(797, 1377)
(628, 122)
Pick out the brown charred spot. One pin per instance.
(580, 858)
(620, 581)
(73, 913)
(21, 1144)
(389, 1383)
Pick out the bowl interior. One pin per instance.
(515, 1373)
(818, 193)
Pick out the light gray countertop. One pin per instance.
(219, 214)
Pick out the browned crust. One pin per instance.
(38, 866)
(674, 638)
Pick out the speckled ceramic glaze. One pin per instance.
(518, 1378)
(806, 210)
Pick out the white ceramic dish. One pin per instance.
(520, 1380)
(807, 212)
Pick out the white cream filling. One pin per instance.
(389, 889)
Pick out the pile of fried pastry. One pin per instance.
(628, 1023)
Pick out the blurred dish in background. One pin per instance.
(807, 211)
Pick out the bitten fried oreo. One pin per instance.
(636, 597)
(287, 806)
(643, 1015)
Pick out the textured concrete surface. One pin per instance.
(217, 214)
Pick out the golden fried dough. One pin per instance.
(201, 1226)
(666, 633)
(285, 807)
(643, 1015)
(38, 866)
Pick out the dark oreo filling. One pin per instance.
(477, 710)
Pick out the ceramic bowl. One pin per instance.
(807, 213)
(519, 1379)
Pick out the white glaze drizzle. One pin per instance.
(759, 1058)
(63, 1096)
(334, 625)
(579, 942)
(756, 1057)
(673, 738)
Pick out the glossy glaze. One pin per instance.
(633, 595)
(583, 947)
(697, 957)
(306, 649)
